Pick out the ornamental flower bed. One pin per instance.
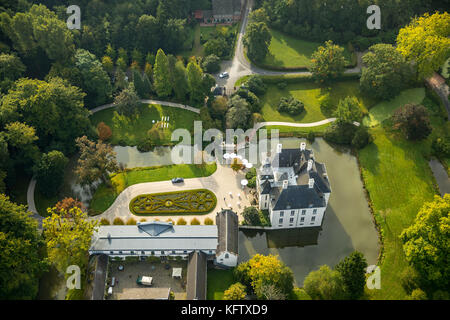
(199, 201)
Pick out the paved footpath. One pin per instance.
(163, 103)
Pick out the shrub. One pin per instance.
(413, 121)
(145, 145)
(104, 222)
(181, 222)
(257, 118)
(291, 106)
(340, 133)
(251, 216)
(252, 183)
(282, 85)
(208, 222)
(170, 220)
(250, 174)
(118, 222)
(235, 292)
(418, 294)
(440, 295)
(409, 279)
(311, 137)
(361, 138)
(131, 222)
(441, 147)
(195, 222)
(256, 85)
(211, 64)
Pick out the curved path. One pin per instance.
(164, 103)
(240, 66)
(32, 185)
(221, 182)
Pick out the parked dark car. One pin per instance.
(177, 180)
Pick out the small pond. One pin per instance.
(347, 225)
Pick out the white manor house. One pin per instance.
(293, 187)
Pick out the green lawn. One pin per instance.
(298, 131)
(399, 180)
(288, 52)
(136, 130)
(218, 282)
(104, 196)
(385, 109)
(310, 94)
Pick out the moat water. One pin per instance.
(347, 225)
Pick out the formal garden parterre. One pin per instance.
(200, 201)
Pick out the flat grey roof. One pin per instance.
(127, 238)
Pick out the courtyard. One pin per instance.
(126, 287)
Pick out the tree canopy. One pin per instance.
(426, 42)
(20, 245)
(426, 242)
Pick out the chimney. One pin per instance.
(311, 183)
(279, 148)
(310, 164)
(302, 146)
(285, 184)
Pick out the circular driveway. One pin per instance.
(221, 182)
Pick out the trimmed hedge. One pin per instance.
(299, 78)
(200, 201)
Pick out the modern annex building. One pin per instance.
(293, 187)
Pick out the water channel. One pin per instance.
(347, 225)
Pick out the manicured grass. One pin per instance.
(385, 109)
(310, 94)
(104, 196)
(218, 282)
(298, 131)
(136, 130)
(288, 52)
(399, 180)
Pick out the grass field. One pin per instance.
(105, 196)
(288, 52)
(310, 94)
(399, 180)
(385, 109)
(218, 282)
(135, 130)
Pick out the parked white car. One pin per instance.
(145, 281)
(224, 75)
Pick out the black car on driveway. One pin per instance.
(177, 180)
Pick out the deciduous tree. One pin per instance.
(328, 61)
(426, 242)
(96, 161)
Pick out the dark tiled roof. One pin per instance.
(320, 182)
(265, 187)
(227, 225)
(98, 292)
(196, 276)
(299, 197)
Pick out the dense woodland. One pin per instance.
(51, 76)
(344, 20)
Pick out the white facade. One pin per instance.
(227, 259)
(294, 188)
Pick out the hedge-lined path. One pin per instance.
(221, 182)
